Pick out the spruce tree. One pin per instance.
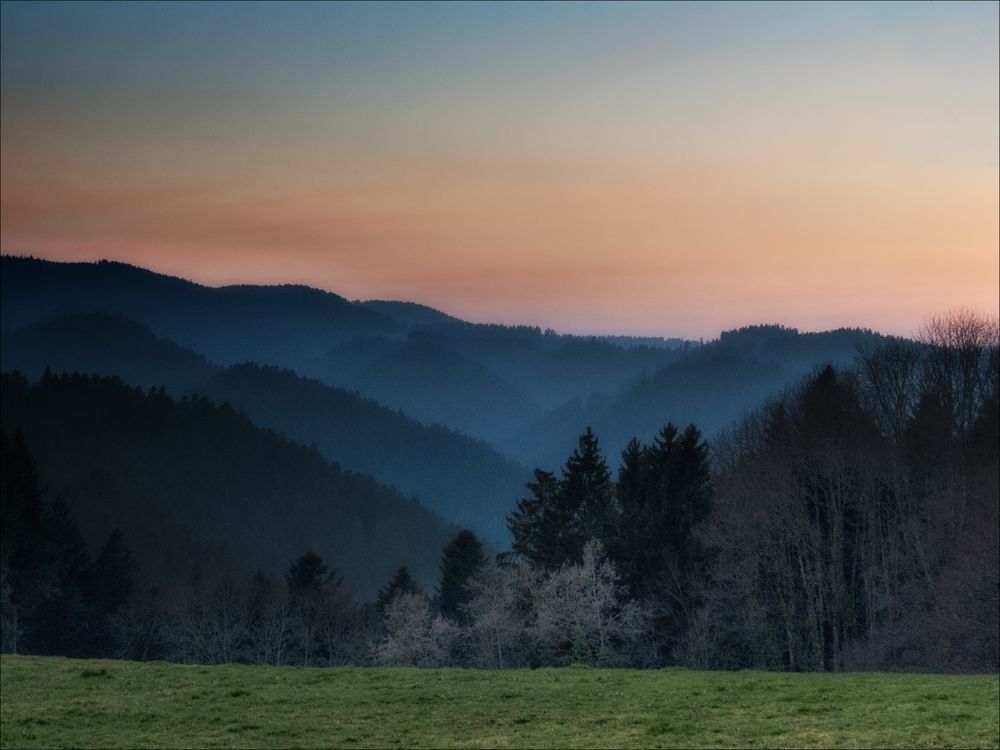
(587, 498)
(305, 577)
(552, 525)
(401, 583)
(63, 625)
(669, 557)
(115, 572)
(28, 580)
(112, 585)
(462, 559)
(626, 547)
(532, 540)
(22, 508)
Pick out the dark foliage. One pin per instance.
(191, 483)
(400, 583)
(54, 599)
(647, 522)
(461, 561)
(465, 481)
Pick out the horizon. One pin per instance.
(598, 169)
(667, 336)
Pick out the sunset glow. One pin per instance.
(625, 168)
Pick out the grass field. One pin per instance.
(50, 702)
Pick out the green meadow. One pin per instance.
(55, 702)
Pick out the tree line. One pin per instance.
(851, 523)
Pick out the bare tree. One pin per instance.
(584, 613)
(142, 629)
(890, 377)
(337, 621)
(961, 362)
(10, 628)
(212, 624)
(414, 635)
(270, 622)
(500, 616)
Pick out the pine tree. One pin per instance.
(691, 497)
(626, 547)
(63, 623)
(664, 490)
(462, 559)
(306, 578)
(587, 498)
(27, 580)
(401, 583)
(532, 541)
(22, 508)
(551, 527)
(112, 585)
(115, 572)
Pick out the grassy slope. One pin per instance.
(48, 702)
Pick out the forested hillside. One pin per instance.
(769, 499)
(182, 476)
(712, 385)
(524, 390)
(103, 344)
(273, 324)
(465, 481)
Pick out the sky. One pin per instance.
(663, 169)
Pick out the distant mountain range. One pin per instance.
(711, 386)
(486, 380)
(267, 324)
(450, 412)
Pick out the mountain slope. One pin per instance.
(409, 314)
(489, 381)
(274, 324)
(436, 385)
(710, 386)
(526, 391)
(123, 458)
(102, 344)
(465, 481)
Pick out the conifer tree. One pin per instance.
(532, 539)
(112, 585)
(306, 578)
(401, 583)
(665, 491)
(587, 499)
(626, 547)
(551, 527)
(462, 559)
(115, 573)
(63, 624)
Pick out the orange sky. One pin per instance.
(850, 180)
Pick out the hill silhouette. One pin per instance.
(711, 386)
(184, 475)
(526, 391)
(464, 480)
(103, 344)
(269, 324)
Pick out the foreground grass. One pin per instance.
(50, 702)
